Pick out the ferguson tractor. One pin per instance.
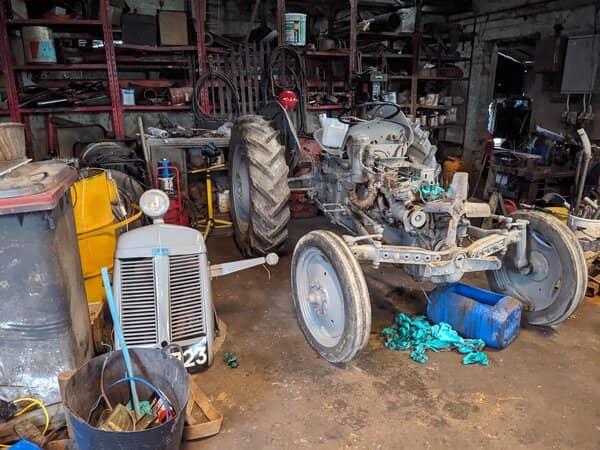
(381, 187)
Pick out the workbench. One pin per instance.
(175, 150)
(530, 176)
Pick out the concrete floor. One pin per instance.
(541, 392)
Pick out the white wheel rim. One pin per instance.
(320, 297)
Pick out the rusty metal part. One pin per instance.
(363, 203)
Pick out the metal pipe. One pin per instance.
(549, 134)
(586, 157)
(382, 22)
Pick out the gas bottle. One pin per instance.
(166, 176)
(476, 313)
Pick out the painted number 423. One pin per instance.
(193, 356)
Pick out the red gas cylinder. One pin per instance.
(288, 99)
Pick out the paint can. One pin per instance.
(223, 201)
(295, 29)
(128, 97)
(38, 45)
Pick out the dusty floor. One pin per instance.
(541, 392)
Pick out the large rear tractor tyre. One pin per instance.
(556, 283)
(330, 296)
(259, 188)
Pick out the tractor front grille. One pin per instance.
(138, 304)
(184, 310)
(187, 309)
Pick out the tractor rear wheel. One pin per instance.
(556, 283)
(259, 191)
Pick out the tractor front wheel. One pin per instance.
(330, 295)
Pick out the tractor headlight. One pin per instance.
(154, 203)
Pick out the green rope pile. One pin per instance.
(419, 336)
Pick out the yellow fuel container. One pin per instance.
(92, 196)
(560, 212)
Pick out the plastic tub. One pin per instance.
(156, 366)
(584, 228)
(295, 29)
(334, 132)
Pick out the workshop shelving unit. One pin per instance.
(413, 80)
(115, 60)
(330, 58)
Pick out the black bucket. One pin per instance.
(155, 366)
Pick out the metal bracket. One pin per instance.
(218, 270)
(479, 256)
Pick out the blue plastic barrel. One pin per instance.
(476, 313)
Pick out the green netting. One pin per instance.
(419, 336)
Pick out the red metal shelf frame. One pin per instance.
(157, 108)
(104, 25)
(55, 22)
(64, 67)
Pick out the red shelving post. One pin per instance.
(281, 21)
(200, 19)
(7, 65)
(111, 63)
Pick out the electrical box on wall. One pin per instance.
(580, 75)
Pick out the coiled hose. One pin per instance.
(200, 115)
(299, 79)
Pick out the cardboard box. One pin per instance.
(173, 28)
(139, 29)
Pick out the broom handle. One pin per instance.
(119, 332)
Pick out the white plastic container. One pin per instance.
(295, 29)
(223, 201)
(128, 97)
(334, 132)
(584, 228)
(38, 45)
